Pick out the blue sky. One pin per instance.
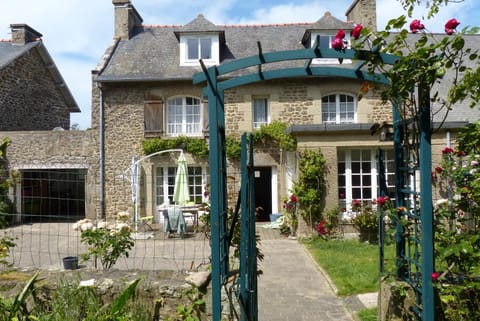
(76, 33)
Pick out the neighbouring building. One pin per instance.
(35, 104)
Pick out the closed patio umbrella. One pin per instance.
(181, 194)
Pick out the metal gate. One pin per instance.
(414, 247)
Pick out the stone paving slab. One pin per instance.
(293, 287)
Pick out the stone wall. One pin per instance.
(57, 150)
(29, 99)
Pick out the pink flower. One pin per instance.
(381, 200)
(435, 276)
(447, 150)
(416, 25)
(357, 30)
(321, 228)
(451, 25)
(340, 34)
(337, 44)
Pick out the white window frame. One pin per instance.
(214, 50)
(348, 197)
(187, 128)
(331, 36)
(257, 124)
(338, 111)
(164, 184)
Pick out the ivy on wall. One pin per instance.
(273, 132)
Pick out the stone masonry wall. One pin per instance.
(29, 99)
(57, 149)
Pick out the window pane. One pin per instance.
(355, 155)
(206, 48)
(325, 41)
(192, 50)
(356, 180)
(355, 167)
(260, 112)
(183, 115)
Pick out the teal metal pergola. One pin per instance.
(414, 252)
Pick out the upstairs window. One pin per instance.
(184, 116)
(196, 47)
(260, 112)
(326, 43)
(338, 109)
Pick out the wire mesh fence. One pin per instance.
(44, 204)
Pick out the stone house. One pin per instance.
(142, 90)
(143, 93)
(36, 105)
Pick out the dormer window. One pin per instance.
(196, 47)
(326, 39)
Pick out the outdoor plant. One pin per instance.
(310, 187)
(194, 146)
(106, 242)
(457, 234)
(291, 216)
(17, 309)
(328, 227)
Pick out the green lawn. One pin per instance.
(352, 266)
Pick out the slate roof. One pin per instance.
(10, 52)
(152, 54)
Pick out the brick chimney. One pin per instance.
(364, 12)
(23, 34)
(126, 18)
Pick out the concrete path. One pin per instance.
(293, 287)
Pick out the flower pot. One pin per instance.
(70, 262)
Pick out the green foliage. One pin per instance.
(192, 145)
(469, 138)
(72, 302)
(367, 314)
(457, 234)
(106, 242)
(310, 187)
(233, 147)
(17, 310)
(274, 132)
(191, 311)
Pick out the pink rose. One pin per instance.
(340, 34)
(451, 25)
(337, 44)
(416, 25)
(356, 31)
(435, 276)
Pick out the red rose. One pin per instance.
(461, 153)
(356, 203)
(357, 30)
(381, 200)
(340, 34)
(435, 276)
(337, 44)
(452, 24)
(416, 25)
(438, 169)
(447, 150)
(293, 198)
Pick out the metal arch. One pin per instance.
(215, 94)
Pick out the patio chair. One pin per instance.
(173, 222)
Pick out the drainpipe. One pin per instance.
(101, 129)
